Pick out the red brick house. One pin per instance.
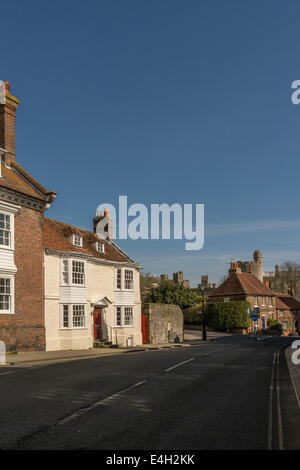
(287, 312)
(23, 202)
(247, 287)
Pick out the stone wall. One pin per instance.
(165, 323)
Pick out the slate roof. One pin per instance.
(58, 237)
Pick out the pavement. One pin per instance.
(232, 393)
(294, 369)
(37, 357)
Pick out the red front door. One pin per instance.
(145, 330)
(97, 323)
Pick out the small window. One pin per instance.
(281, 313)
(128, 279)
(226, 299)
(128, 316)
(4, 229)
(65, 319)
(78, 316)
(5, 294)
(118, 316)
(119, 279)
(255, 301)
(77, 240)
(263, 301)
(65, 271)
(270, 302)
(78, 272)
(100, 247)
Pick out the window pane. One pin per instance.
(119, 279)
(78, 316)
(128, 316)
(118, 316)
(66, 316)
(128, 279)
(77, 272)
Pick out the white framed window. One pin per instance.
(128, 316)
(77, 240)
(124, 316)
(128, 284)
(281, 313)
(78, 272)
(119, 279)
(263, 301)
(5, 295)
(5, 229)
(65, 271)
(73, 316)
(78, 318)
(255, 301)
(271, 316)
(100, 247)
(270, 302)
(226, 299)
(118, 316)
(65, 317)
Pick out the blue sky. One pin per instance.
(163, 101)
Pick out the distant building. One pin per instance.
(177, 279)
(244, 286)
(255, 266)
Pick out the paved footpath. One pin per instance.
(35, 357)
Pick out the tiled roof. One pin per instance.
(288, 301)
(242, 283)
(57, 236)
(17, 179)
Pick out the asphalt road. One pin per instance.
(234, 393)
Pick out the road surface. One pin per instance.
(234, 393)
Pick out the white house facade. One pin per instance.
(92, 290)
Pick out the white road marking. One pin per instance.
(280, 430)
(275, 384)
(270, 419)
(180, 364)
(98, 403)
(10, 372)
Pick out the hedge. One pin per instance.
(228, 315)
(192, 315)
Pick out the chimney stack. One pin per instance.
(8, 107)
(109, 226)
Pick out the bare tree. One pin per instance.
(289, 275)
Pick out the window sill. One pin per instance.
(73, 328)
(6, 313)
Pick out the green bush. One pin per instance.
(275, 325)
(192, 315)
(227, 315)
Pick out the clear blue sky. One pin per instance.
(163, 101)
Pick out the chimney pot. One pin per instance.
(7, 86)
(106, 213)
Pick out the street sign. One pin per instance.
(254, 318)
(254, 312)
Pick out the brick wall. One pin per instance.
(25, 329)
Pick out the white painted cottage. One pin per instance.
(92, 290)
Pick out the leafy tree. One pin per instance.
(169, 293)
(147, 281)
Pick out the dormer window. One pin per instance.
(77, 240)
(100, 247)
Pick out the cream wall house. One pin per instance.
(92, 290)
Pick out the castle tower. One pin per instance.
(256, 265)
